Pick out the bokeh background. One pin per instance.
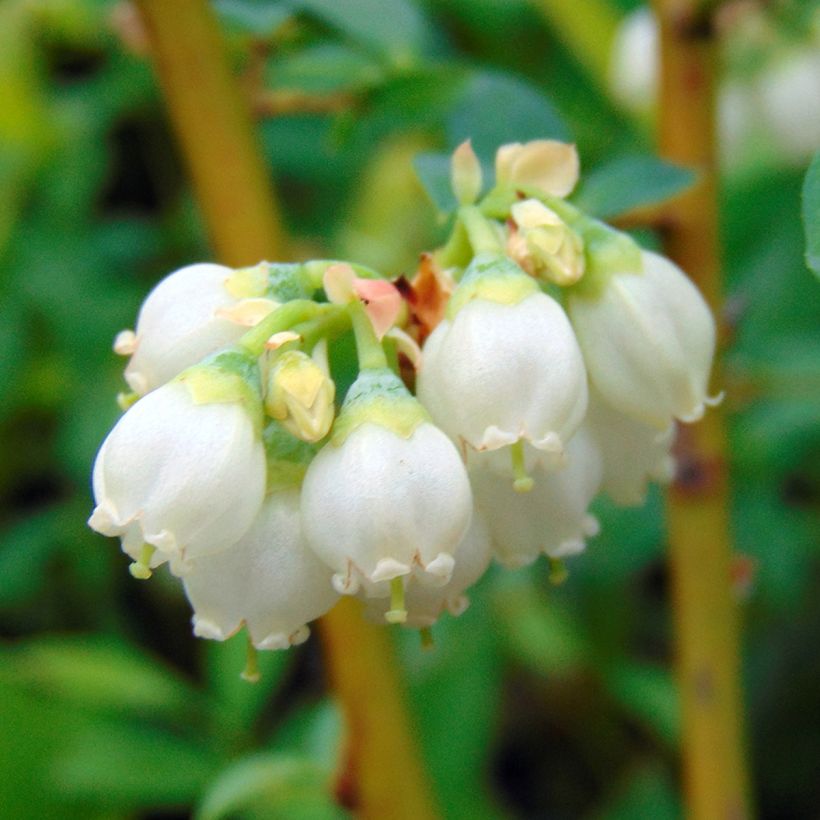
(539, 701)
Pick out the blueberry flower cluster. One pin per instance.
(549, 359)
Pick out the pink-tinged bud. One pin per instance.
(465, 174)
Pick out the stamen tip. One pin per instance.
(139, 571)
(524, 484)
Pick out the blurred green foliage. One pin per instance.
(538, 702)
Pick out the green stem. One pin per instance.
(456, 252)
(282, 318)
(330, 324)
(368, 348)
(479, 230)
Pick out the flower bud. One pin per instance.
(548, 165)
(388, 492)
(179, 324)
(300, 395)
(544, 245)
(648, 340)
(183, 471)
(269, 581)
(790, 96)
(504, 365)
(465, 174)
(552, 519)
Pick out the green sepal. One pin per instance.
(493, 278)
(231, 375)
(279, 281)
(378, 396)
(606, 251)
(287, 457)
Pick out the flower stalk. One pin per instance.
(705, 612)
(236, 197)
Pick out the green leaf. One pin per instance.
(100, 674)
(811, 214)
(433, 171)
(649, 694)
(630, 182)
(394, 28)
(62, 761)
(539, 631)
(456, 692)
(324, 68)
(647, 791)
(242, 700)
(260, 17)
(271, 786)
(128, 765)
(496, 108)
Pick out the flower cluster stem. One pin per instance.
(380, 738)
(479, 230)
(705, 611)
(283, 318)
(368, 348)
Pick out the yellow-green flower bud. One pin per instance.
(300, 395)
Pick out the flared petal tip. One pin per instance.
(283, 640)
(387, 569)
(494, 438)
(567, 548)
(440, 569)
(457, 605)
(204, 628)
(103, 520)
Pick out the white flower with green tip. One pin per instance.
(648, 339)
(388, 493)
(179, 324)
(269, 581)
(182, 474)
(504, 366)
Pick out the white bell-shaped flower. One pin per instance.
(269, 581)
(552, 519)
(182, 320)
(184, 478)
(648, 339)
(633, 453)
(424, 602)
(505, 365)
(388, 492)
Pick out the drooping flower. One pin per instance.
(269, 581)
(182, 474)
(553, 518)
(179, 324)
(388, 493)
(648, 339)
(504, 365)
(424, 602)
(633, 453)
